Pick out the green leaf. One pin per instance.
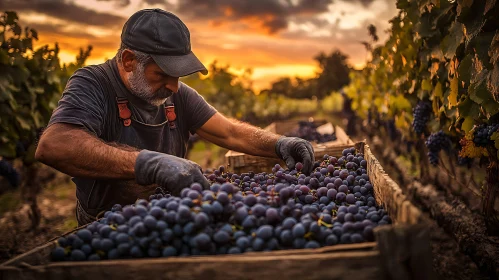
(494, 49)
(438, 92)
(481, 46)
(452, 40)
(4, 57)
(474, 20)
(426, 85)
(491, 108)
(468, 108)
(464, 69)
(478, 91)
(463, 8)
(454, 90)
(493, 81)
(8, 150)
(23, 123)
(495, 137)
(467, 124)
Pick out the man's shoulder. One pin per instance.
(94, 72)
(184, 88)
(88, 82)
(91, 76)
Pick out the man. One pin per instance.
(121, 127)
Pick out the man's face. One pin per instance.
(149, 82)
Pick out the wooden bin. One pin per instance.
(282, 127)
(241, 162)
(401, 252)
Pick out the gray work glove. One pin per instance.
(293, 150)
(170, 172)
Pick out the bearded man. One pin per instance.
(121, 127)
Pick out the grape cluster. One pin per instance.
(249, 212)
(8, 172)
(482, 134)
(158, 194)
(436, 142)
(308, 131)
(422, 114)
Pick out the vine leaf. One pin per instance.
(426, 85)
(438, 90)
(474, 20)
(454, 89)
(464, 69)
(468, 108)
(452, 41)
(467, 124)
(494, 49)
(495, 138)
(493, 82)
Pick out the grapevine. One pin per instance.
(438, 70)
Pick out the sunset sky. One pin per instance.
(273, 37)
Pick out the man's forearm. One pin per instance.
(253, 140)
(77, 153)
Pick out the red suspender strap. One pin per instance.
(170, 115)
(124, 111)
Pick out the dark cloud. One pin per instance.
(365, 3)
(63, 10)
(125, 3)
(273, 15)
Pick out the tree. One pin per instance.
(334, 73)
(31, 82)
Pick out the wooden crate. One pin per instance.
(282, 127)
(241, 162)
(401, 252)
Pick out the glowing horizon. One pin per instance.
(272, 42)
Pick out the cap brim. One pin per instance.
(179, 65)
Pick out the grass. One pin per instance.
(70, 223)
(9, 201)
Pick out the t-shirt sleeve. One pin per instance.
(82, 103)
(198, 111)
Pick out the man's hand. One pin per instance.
(293, 150)
(168, 171)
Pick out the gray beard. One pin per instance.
(141, 88)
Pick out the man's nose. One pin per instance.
(172, 84)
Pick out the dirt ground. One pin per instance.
(57, 205)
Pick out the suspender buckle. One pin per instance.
(171, 116)
(124, 111)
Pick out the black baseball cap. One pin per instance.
(165, 38)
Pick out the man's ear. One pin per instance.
(128, 60)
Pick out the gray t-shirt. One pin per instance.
(89, 101)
